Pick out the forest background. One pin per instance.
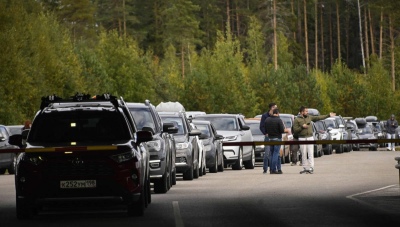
(217, 56)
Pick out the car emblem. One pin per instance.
(77, 162)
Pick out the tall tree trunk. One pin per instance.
(330, 35)
(392, 52)
(299, 27)
(316, 33)
(322, 39)
(237, 20)
(306, 35)
(361, 35)
(371, 32)
(275, 38)
(292, 9)
(228, 17)
(338, 30)
(366, 39)
(124, 11)
(183, 61)
(381, 35)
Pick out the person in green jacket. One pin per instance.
(303, 128)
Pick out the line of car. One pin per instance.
(112, 148)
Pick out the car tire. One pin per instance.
(173, 177)
(238, 165)
(136, 209)
(161, 185)
(196, 171)
(11, 169)
(340, 150)
(221, 167)
(214, 168)
(2, 171)
(252, 162)
(188, 174)
(148, 193)
(24, 208)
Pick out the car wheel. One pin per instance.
(148, 191)
(161, 185)
(214, 168)
(11, 169)
(173, 177)
(340, 150)
(239, 162)
(188, 174)
(24, 208)
(201, 171)
(136, 209)
(204, 166)
(2, 171)
(250, 163)
(196, 171)
(221, 167)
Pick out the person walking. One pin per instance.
(302, 126)
(274, 128)
(391, 126)
(267, 152)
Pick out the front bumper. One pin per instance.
(157, 168)
(231, 154)
(183, 160)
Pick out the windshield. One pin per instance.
(254, 128)
(222, 123)
(319, 125)
(366, 130)
(204, 129)
(79, 126)
(143, 118)
(330, 123)
(177, 121)
(287, 121)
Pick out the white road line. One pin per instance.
(177, 214)
(352, 197)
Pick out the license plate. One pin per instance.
(78, 184)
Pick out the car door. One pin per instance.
(246, 137)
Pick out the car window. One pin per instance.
(330, 123)
(223, 123)
(143, 118)
(366, 130)
(177, 121)
(204, 129)
(3, 133)
(287, 121)
(255, 128)
(320, 126)
(82, 126)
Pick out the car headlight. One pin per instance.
(33, 159)
(123, 157)
(182, 145)
(154, 145)
(230, 138)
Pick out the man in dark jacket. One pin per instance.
(391, 126)
(274, 128)
(267, 152)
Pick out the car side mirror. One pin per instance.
(245, 127)
(148, 129)
(203, 136)
(170, 128)
(143, 136)
(195, 132)
(219, 137)
(15, 140)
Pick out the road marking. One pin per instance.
(352, 197)
(177, 214)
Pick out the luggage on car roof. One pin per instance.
(371, 118)
(361, 121)
(170, 107)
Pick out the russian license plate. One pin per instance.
(78, 184)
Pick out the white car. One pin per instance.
(202, 155)
(337, 133)
(233, 128)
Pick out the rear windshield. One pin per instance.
(79, 126)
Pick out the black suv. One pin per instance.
(79, 148)
(161, 148)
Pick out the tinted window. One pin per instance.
(366, 130)
(255, 128)
(204, 129)
(320, 126)
(287, 121)
(143, 118)
(222, 123)
(330, 123)
(177, 121)
(82, 126)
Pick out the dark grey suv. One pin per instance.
(161, 148)
(7, 160)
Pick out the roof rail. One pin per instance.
(78, 97)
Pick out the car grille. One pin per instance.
(78, 169)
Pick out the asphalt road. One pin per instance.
(337, 194)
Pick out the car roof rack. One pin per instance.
(79, 97)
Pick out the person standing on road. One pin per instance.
(267, 151)
(391, 126)
(274, 128)
(302, 126)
